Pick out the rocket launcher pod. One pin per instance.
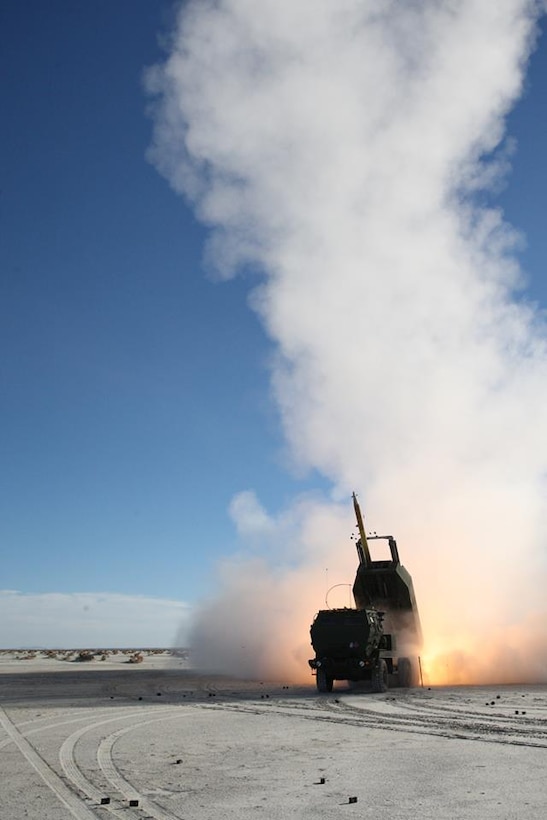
(386, 585)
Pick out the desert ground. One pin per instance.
(157, 739)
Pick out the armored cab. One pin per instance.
(347, 644)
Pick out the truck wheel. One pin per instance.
(324, 682)
(405, 672)
(379, 677)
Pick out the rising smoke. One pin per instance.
(343, 150)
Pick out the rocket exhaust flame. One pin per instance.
(341, 150)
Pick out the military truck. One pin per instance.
(379, 640)
(348, 644)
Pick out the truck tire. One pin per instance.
(324, 682)
(379, 677)
(405, 673)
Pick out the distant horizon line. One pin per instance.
(172, 649)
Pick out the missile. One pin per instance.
(362, 544)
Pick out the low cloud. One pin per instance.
(89, 619)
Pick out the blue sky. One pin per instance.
(135, 398)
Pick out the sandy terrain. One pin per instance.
(178, 744)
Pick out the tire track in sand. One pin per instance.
(107, 766)
(457, 725)
(72, 802)
(105, 759)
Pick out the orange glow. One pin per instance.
(510, 655)
(447, 668)
(478, 627)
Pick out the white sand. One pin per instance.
(67, 660)
(72, 734)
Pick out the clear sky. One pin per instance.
(135, 388)
(135, 398)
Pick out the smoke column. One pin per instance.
(345, 150)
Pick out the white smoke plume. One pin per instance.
(345, 151)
